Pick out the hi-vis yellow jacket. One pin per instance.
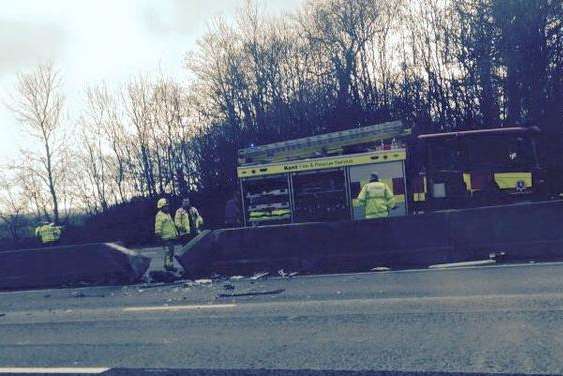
(377, 198)
(164, 226)
(182, 220)
(48, 233)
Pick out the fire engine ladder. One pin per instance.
(321, 145)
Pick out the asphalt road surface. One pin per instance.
(486, 319)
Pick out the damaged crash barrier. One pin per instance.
(71, 265)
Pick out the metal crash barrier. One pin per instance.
(525, 231)
(96, 263)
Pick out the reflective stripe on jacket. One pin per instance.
(164, 226)
(377, 199)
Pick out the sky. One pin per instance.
(90, 41)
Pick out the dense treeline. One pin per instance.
(333, 64)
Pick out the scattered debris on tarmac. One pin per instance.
(284, 274)
(160, 284)
(79, 294)
(462, 264)
(497, 255)
(258, 276)
(251, 293)
(163, 276)
(380, 269)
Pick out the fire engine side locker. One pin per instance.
(320, 195)
(356, 170)
(264, 194)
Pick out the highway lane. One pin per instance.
(487, 319)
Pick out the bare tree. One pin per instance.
(38, 106)
(95, 160)
(137, 99)
(115, 134)
(13, 208)
(342, 28)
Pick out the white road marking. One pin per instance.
(178, 308)
(43, 370)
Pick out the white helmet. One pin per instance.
(161, 203)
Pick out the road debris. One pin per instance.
(162, 276)
(258, 276)
(162, 284)
(282, 273)
(203, 281)
(497, 255)
(380, 269)
(251, 293)
(462, 264)
(78, 294)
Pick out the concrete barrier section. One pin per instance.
(345, 246)
(197, 256)
(530, 233)
(526, 231)
(96, 263)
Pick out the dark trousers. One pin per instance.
(168, 246)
